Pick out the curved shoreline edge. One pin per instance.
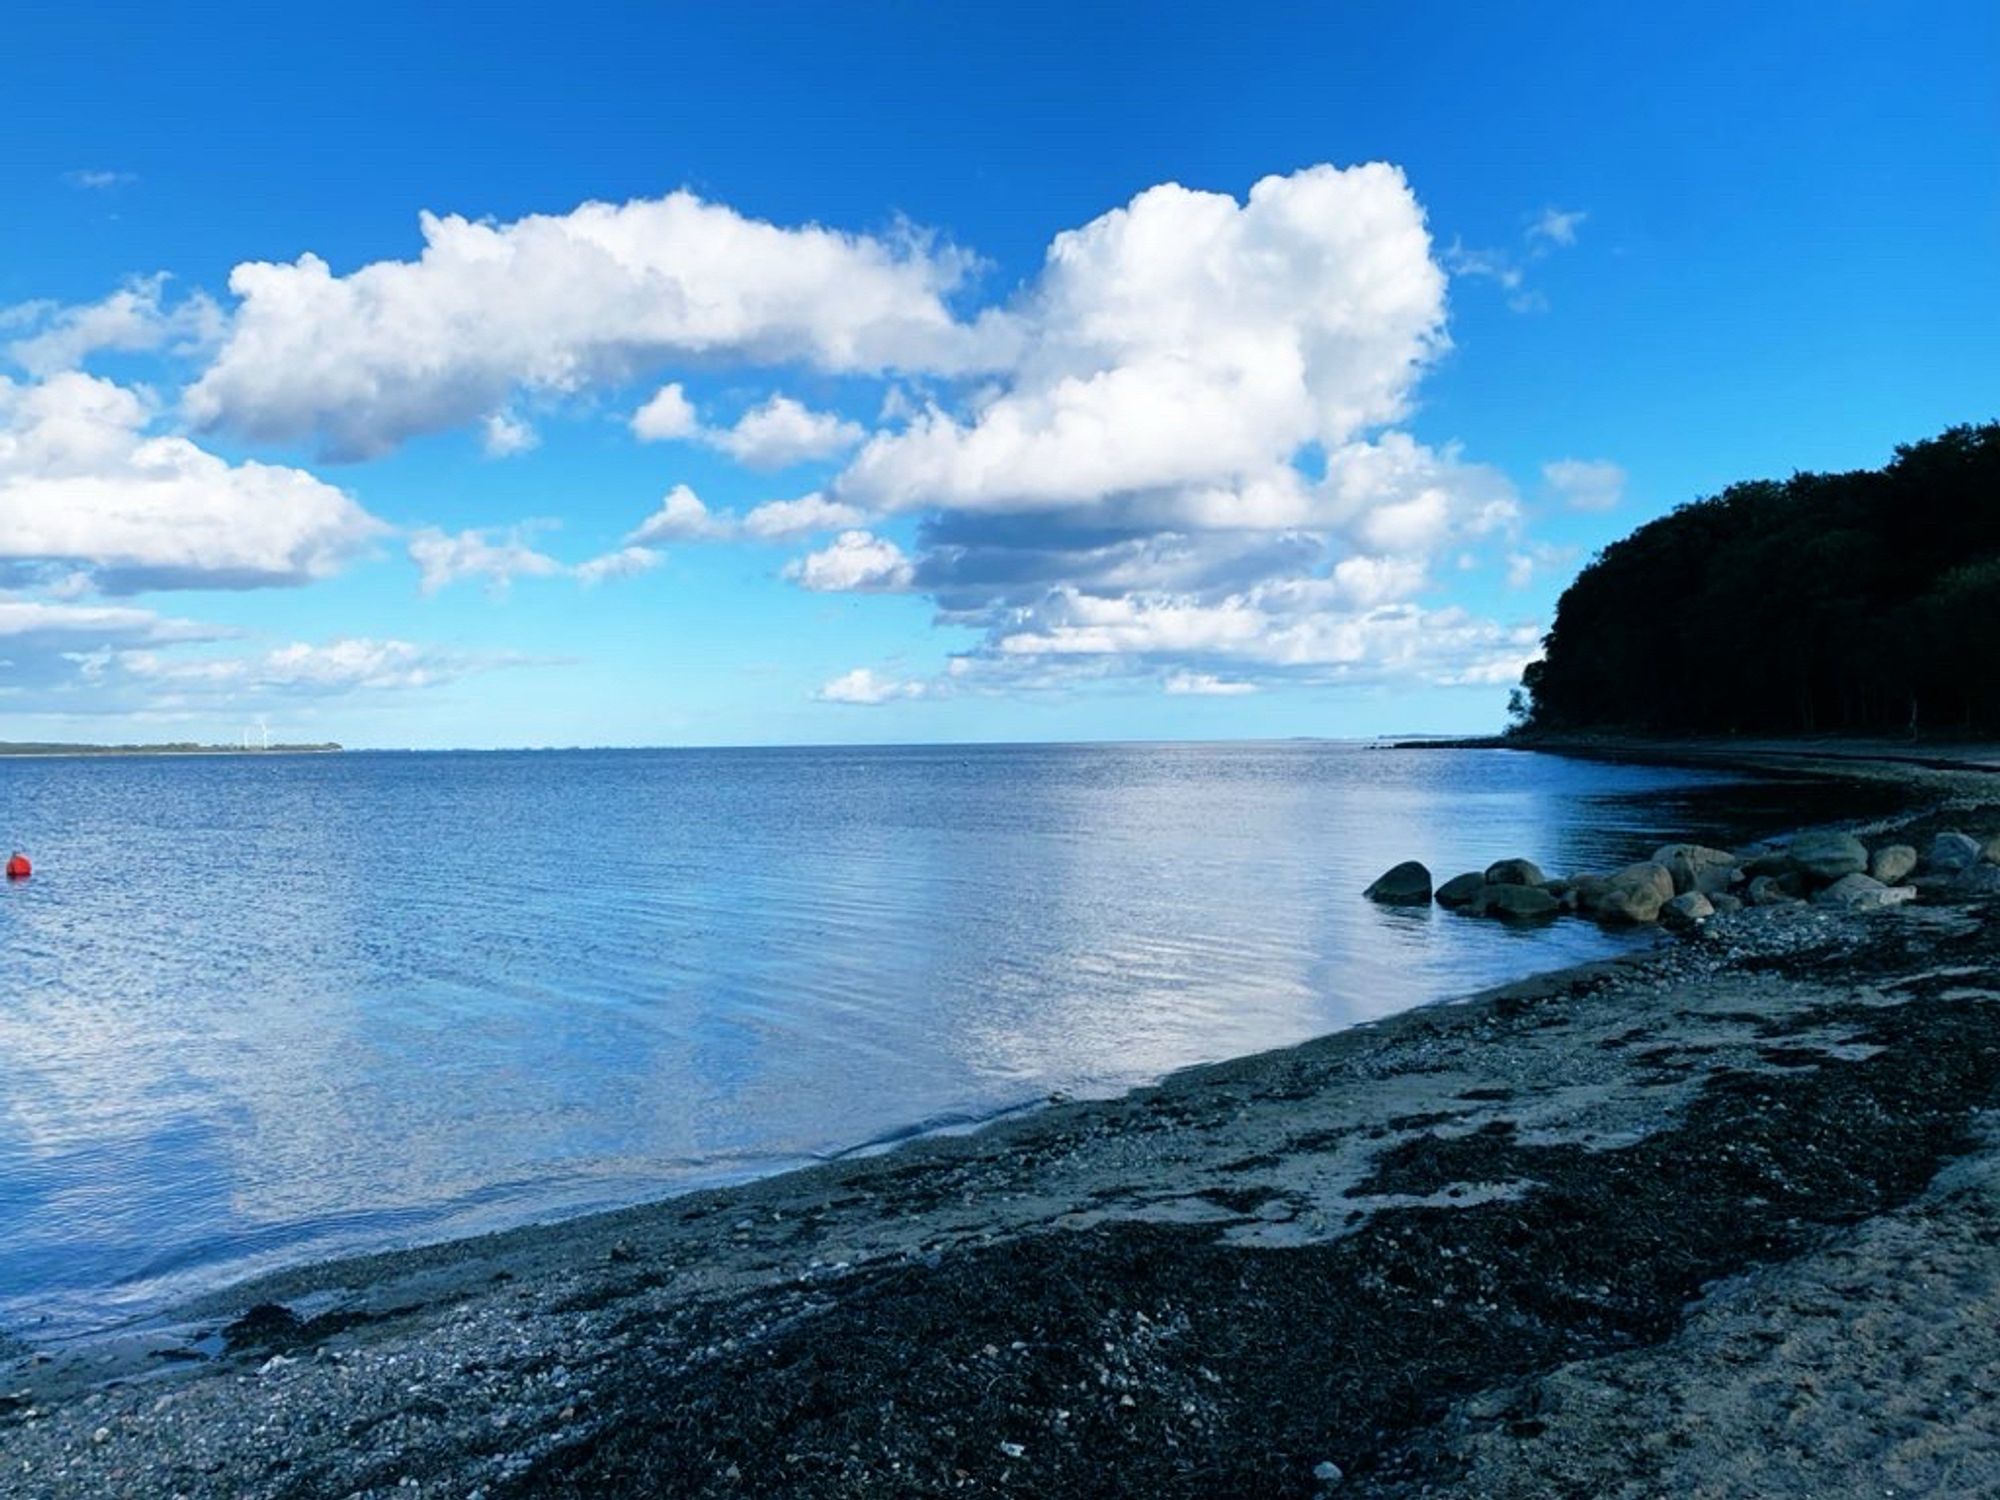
(1255, 1251)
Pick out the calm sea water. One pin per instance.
(262, 1009)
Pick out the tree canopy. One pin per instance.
(1858, 602)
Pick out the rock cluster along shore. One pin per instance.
(1683, 885)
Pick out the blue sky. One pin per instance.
(1313, 460)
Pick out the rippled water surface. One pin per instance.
(258, 1009)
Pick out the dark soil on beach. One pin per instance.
(1149, 1360)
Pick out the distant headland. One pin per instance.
(1859, 604)
(175, 747)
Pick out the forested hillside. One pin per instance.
(1867, 601)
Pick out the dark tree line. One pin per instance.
(1823, 603)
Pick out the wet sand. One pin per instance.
(1718, 1219)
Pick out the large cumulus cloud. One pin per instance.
(360, 362)
(1191, 461)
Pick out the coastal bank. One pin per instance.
(1719, 1218)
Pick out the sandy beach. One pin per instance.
(1719, 1219)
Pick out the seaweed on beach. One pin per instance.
(1151, 1359)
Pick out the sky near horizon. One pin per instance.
(789, 373)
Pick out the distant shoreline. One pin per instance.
(1831, 755)
(28, 750)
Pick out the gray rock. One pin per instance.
(1627, 904)
(1826, 857)
(1952, 852)
(1635, 894)
(1587, 890)
(1767, 862)
(1513, 872)
(1409, 884)
(1723, 901)
(1892, 863)
(1858, 892)
(1991, 853)
(1648, 873)
(1696, 867)
(1519, 903)
(1767, 890)
(1461, 890)
(1327, 1473)
(1686, 911)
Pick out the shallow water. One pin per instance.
(255, 1010)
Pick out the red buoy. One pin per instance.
(18, 867)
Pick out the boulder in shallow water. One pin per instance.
(1723, 901)
(1587, 890)
(1951, 852)
(1408, 884)
(1634, 895)
(1519, 903)
(1859, 892)
(1892, 863)
(1626, 905)
(1686, 911)
(1514, 872)
(1647, 873)
(1461, 890)
(1826, 857)
(1696, 867)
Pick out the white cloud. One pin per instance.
(626, 562)
(1206, 685)
(667, 416)
(681, 517)
(65, 658)
(782, 432)
(1297, 627)
(503, 435)
(1491, 265)
(1187, 340)
(1552, 229)
(1135, 492)
(500, 555)
(82, 485)
(778, 519)
(23, 618)
(445, 558)
(1585, 484)
(340, 666)
(99, 179)
(133, 318)
(776, 434)
(862, 686)
(595, 297)
(854, 562)
(1397, 496)
(53, 652)
(1553, 226)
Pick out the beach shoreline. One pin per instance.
(539, 1360)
